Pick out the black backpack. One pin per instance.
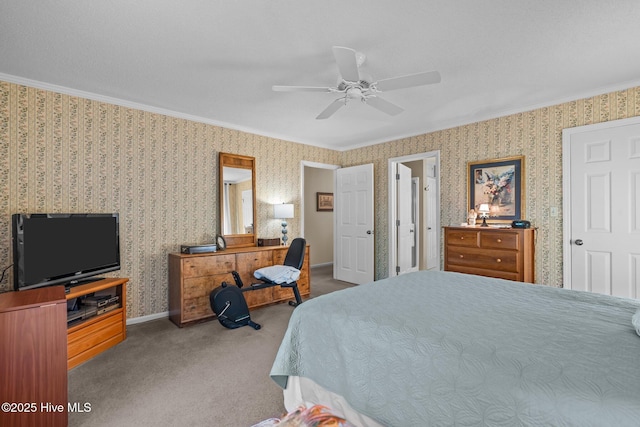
(229, 305)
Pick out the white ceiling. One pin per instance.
(216, 61)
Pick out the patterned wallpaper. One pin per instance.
(535, 134)
(60, 153)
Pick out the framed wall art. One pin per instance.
(324, 202)
(498, 183)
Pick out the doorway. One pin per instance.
(426, 236)
(317, 226)
(353, 257)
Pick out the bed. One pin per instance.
(442, 348)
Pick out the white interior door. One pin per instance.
(415, 217)
(432, 242)
(353, 208)
(604, 205)
(354, 241)
(404, 221)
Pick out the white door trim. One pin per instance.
(566, 187)
(393, 197)
(405, 230)
(306, 163)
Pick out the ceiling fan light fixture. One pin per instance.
(355, 92)
(356, 85)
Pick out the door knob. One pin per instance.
(579, 242)
(369, 232)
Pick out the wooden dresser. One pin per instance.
(192, 277)
(505, 253)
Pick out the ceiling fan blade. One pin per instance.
(411, 80)
(300, 89)
(347, 63)
(383, 105)
(332, 108)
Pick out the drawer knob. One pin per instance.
(499, 240)
(461, 238)
(498, 260)
(461, 256)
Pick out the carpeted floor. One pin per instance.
(201, 375)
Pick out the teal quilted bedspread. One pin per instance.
(449, 349)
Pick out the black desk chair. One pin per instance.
(276, 275)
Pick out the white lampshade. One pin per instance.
(484, 208)
(282, 211)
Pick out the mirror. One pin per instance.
(237, 199)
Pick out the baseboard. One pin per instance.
(321, 265)
(148, 318)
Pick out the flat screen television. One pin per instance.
(51, 249)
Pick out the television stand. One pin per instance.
(91, 335)
(74, 283)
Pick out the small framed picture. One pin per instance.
(497, 185)
(324, 202)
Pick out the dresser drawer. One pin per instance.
(490, 260)
(501, 240)
(195, 287)
(196, 308)
(208, 265)
(487, 273)
(468, 238)
(84, 339)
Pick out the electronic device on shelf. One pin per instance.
(520, 223)
(52, 249)
(198, 249)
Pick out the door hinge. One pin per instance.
(397, 269)
(397, 223)
(397, 177)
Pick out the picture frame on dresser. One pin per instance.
(500, 184)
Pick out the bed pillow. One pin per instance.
(635, 321)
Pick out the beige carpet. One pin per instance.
(201, 375)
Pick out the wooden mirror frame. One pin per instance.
(241, 162)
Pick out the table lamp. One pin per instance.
(483, 210)
(283, 211)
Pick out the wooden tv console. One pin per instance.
(192, 277)
(33, 357)
(93, 335)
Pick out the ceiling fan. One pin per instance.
(354, 85)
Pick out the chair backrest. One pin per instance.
(295, 254)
